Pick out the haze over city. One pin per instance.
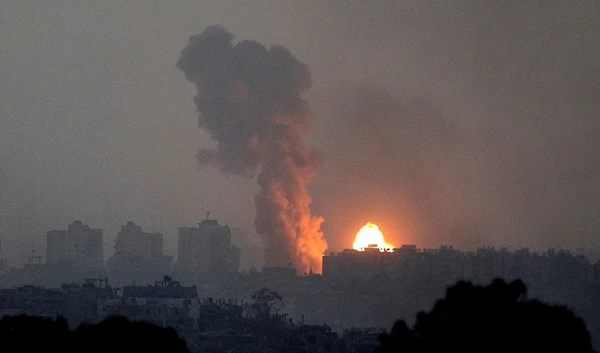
(464, 123)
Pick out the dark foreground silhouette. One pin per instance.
(115, 334)
(495, 318)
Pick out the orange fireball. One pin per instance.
(369, 236)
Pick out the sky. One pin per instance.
(468, 123)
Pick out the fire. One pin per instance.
(369, 236)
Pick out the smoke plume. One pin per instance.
(249, 99)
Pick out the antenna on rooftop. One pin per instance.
(207, 213)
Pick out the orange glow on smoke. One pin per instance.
(369, 236)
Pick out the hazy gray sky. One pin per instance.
(470, 123)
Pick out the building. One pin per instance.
(167, 288)
(206, 250)
(31, 300)
(132, 242)
(79, 246)
(365, 339)
(138, 256)
(361, 264)
(166, 303)
(81, 300)
(446, 264)
(76, 303)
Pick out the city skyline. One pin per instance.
(467, 124)
(354, 290)
(316, 176)
(149, 253)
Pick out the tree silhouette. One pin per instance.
(495, 318)
(119, 335)
(32, 334)
(266, 303)
(115, 334)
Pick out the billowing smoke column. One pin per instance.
(249, 99)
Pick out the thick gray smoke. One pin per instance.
(249, 99)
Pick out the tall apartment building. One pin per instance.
(138, 256)
(134, 243)
(79, 246)
(207, 249)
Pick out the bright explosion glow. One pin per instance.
(369, 236)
